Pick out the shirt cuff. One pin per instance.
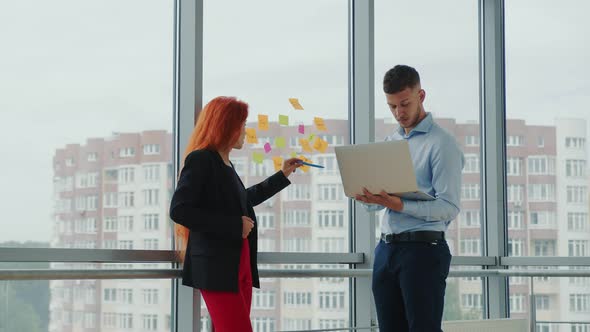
(410, 207)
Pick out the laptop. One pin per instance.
(379, 166)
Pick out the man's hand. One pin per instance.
(384, 199)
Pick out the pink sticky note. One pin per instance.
(301, 129)
(267, 147)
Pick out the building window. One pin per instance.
(577, 248)
(541, 192)
(151, 149)
(331, 218)
(515, 247)
(92, 156)
(471, 301)
(470, 246)
(331, 300)
(151, 197)
(577, 221)
(151, 173)
(542, 302)
(150, 295)
(515, 219)
(297, 299)
(126, 152)
(515, 141)
(266, 220)
(331, 244)
(541, 165)
(265, 244)
(110, 224)
(297, 244)
(330, 192)
(540, 142)
(329, 163)
(471, 140)
(575, 142)
(471, 163)
(296, 324)
(516, 303)
(110, 200)
(125, 223)
(332, 324)
(541, 219)
(544, 247)
(263, 299)
(515, 193)
(126, 175)
(296, 218)
(125, 244)
(514, 166)
(577, 194)
(151, 222)
(575, 168)
(470, 191)
(150, 244)
(298, 192)
(263, 324)
(150, 322)
(580, 302)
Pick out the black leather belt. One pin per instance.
(420, 236)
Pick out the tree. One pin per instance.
(15, 315)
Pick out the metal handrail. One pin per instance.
(61, 274)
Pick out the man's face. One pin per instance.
(406, 106)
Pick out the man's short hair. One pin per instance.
(399, 78)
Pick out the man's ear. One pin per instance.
(422, 95)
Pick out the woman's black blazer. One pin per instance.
(206, 201)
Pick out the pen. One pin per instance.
(310, 164)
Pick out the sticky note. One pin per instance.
(304, 167)
(251, 136)
(280, 142)
(317, 144)
(267, 147)
(278, 162)
(305, 145)
(311, 137)
(262, 122)
(319, 123)
(283, 120)
(257, 157)
(295, 103)
(301, 129)
(293, 154)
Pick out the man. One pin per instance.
(412, 258)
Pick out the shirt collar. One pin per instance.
(422, 127)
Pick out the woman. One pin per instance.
(214, 215)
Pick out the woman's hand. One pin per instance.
(290, 165)
(247, 225)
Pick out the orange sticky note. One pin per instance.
(295, 103)
(304, 168)
(320, 145)
(319, 123)
(262, 122)
(305, 145)
(278, 162)
(251, 136)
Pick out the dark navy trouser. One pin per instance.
(409, 280)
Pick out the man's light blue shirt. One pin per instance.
(438, 163)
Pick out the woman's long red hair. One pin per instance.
(218, 128)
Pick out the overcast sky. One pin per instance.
(72, 69)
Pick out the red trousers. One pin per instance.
(230, 312)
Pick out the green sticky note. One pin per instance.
(293, 154)
(280, 142)
(283, 120)
(311, 137)
(257, 157)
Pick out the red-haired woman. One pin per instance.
(214, 215)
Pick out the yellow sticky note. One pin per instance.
(319, 123)
(280, 142)
(317, 144)
(257, 157)
(295, 103)
(304, 168)
(305, 145)
(278, 162)
(324, 147)
(283, 120)
(251, 136)
(262, 122)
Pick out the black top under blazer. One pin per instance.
(207, 202)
